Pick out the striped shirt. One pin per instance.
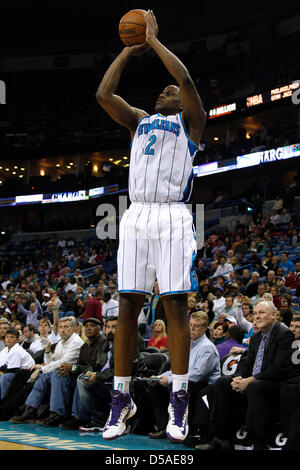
(161, 161)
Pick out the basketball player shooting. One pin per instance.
(157, 239)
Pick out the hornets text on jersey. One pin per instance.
(161, 160)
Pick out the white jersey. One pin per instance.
(161, 160)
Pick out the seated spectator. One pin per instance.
(12, 358)
(192, 305)
(45, 332)
(64, 382)
(79, 308)
(229, 309)
(252, 286)
(93, 307)
(212, 268)
(219, 332)
(245, 277)
(219, 302)
(67, 350)
(204, 369)
(275, 263)
(260, 292)
(112, 289)
(244, 317)
(230, 256)
(159, 338)
(251, 395)
(206, 250)
(275, 218)
(278, 203)
(220, 282)
(238, 300)
(285, 217)
(220, 247)
(286, 264)
(33, 314)
(276, 296)
(271, 277)
(224, 268)
(207, 307)
(28, 336)
(292, 280)
(110, 307)
(286, 309)
(4, 326)
(94, 392)
(267, 296)
(235, 337)
(201, 271)
(156, 309)
(68, 305)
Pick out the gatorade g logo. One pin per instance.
(230, 364)
(296, 354)
(296, 93)
(2, 92)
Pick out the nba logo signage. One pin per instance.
(2, 92)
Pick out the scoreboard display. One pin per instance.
(290, 90)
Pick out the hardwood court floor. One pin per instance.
(31, 436)
(5, 445)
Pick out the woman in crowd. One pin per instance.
(219, 333)
(159, 338)
(192, 305)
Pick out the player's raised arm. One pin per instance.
(193, 111)
(114, 105)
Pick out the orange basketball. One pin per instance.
(132, 27)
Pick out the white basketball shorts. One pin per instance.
(157, 241)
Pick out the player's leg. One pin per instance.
(179, 346)
(125, 344)
(175, 252)
(175, 307)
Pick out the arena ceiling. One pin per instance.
(34, 27)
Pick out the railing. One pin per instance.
(234, 269)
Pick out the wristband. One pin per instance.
(74, 367)
(47, 352)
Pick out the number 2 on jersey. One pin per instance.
(148, 149)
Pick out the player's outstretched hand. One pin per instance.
(152, 26)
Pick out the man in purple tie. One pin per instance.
(251, 396)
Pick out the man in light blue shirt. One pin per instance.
(204, 369)
(286, 264)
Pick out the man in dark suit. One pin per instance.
(251, 396)
(94, 387)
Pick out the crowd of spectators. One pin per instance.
(54, 308)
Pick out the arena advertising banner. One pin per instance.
(251, 159)
(52, 198)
